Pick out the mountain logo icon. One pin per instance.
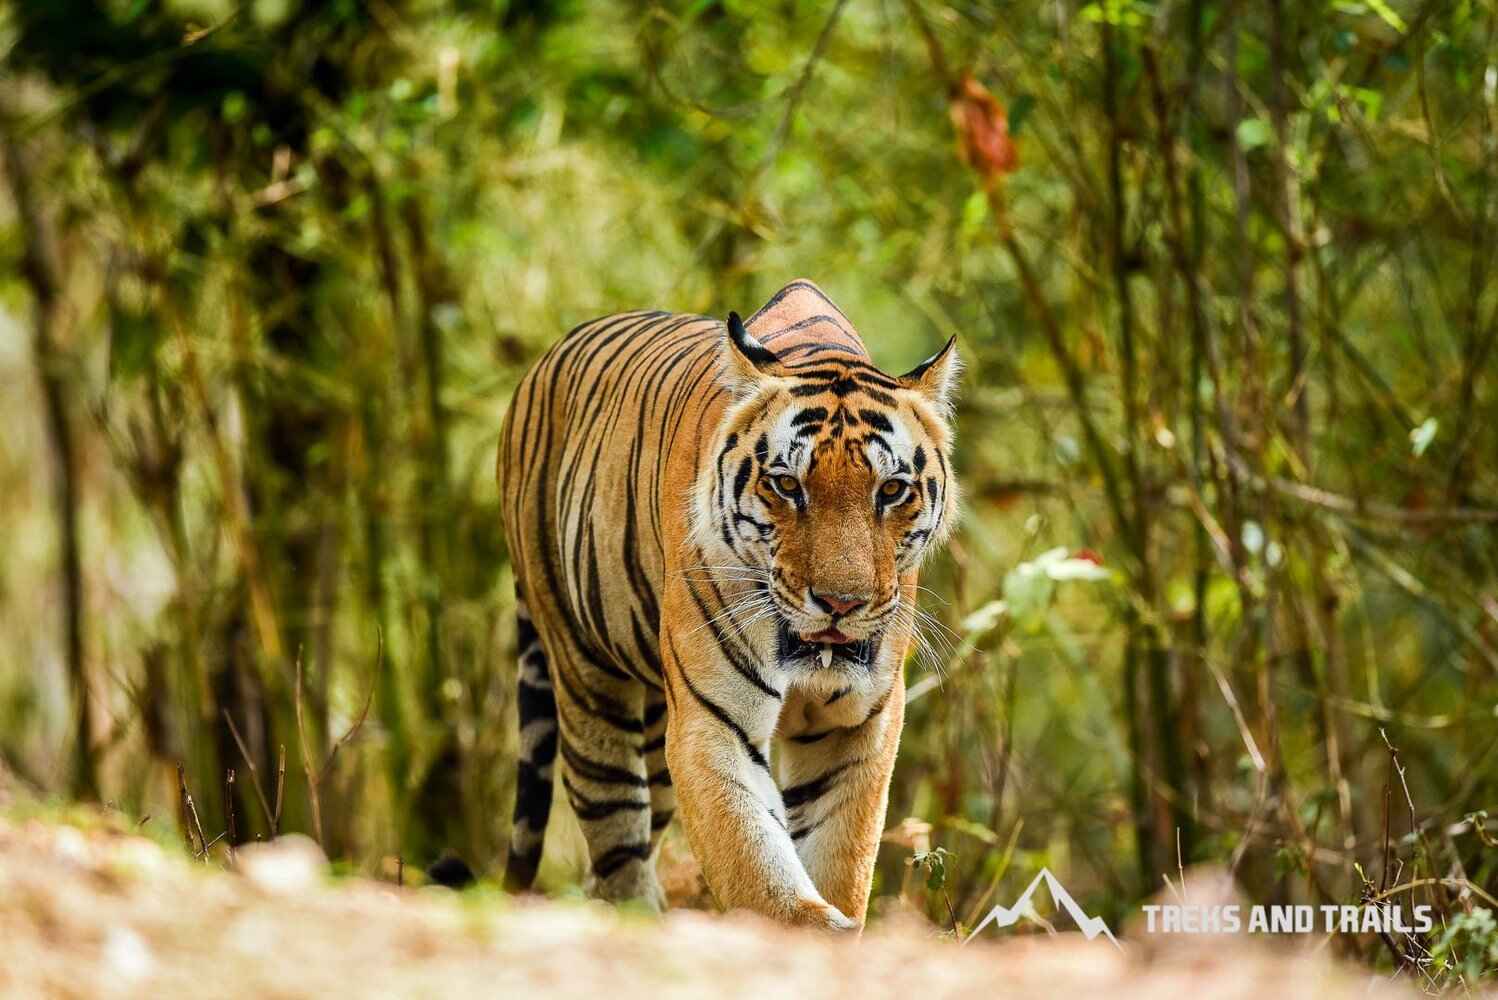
(1007, 916)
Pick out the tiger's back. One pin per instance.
(580, 459)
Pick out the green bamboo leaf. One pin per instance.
(1253, 133)
(1388, 15)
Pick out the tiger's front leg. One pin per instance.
(721, 719)
(834, 778)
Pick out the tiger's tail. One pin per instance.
(538, 750)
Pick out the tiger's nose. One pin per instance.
(837, 604)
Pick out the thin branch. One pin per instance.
(1356, 507)
(249, 761)
(1445, 883)
(280, 786)
(312, 775)
(933, 44)
(229, 811)
(358, 723)
(190, 809)
(797, 92)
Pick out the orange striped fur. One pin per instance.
(716, 530)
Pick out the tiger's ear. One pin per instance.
(936, 377)
(747, 362)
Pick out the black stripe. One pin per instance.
(616, 858)
(722, 716)
(521, 868)
(797, 834)
(808, 350)
(810, 415)
(794, 286)
(741, 478)
(532, 794)
(809, 791)
(534, 702)
(596, 809)
(596, 771)
(525, 633)
(599, 706)
(810, 321)
(728, 646)
(647, 650)
(757, 353)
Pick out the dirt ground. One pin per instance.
(94, 910)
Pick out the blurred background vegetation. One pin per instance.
(1221, 269)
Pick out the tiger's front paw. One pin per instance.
(823, 916)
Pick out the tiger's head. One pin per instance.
(829, 481)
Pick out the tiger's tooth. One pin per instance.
(826, 655)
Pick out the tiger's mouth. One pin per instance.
(826, 650)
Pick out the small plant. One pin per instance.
(934, 863)
(1469, 946)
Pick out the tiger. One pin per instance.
(715, 530)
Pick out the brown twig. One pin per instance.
(270, 817)
(1465, 885)
(229, 811)
(951, 913)
(1337, 503)
(797, 91)
(933, 44)
(1399, 770)
(358, 723)
(313, 799)
(280, 788)
(190, 808)
(1383, 879)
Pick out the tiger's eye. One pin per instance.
(787, 484)
(892, 489)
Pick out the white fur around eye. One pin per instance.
(886, 462)
(794, 451)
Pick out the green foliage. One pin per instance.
(1468, 946)
(934, 864)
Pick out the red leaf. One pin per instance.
(982, 130)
